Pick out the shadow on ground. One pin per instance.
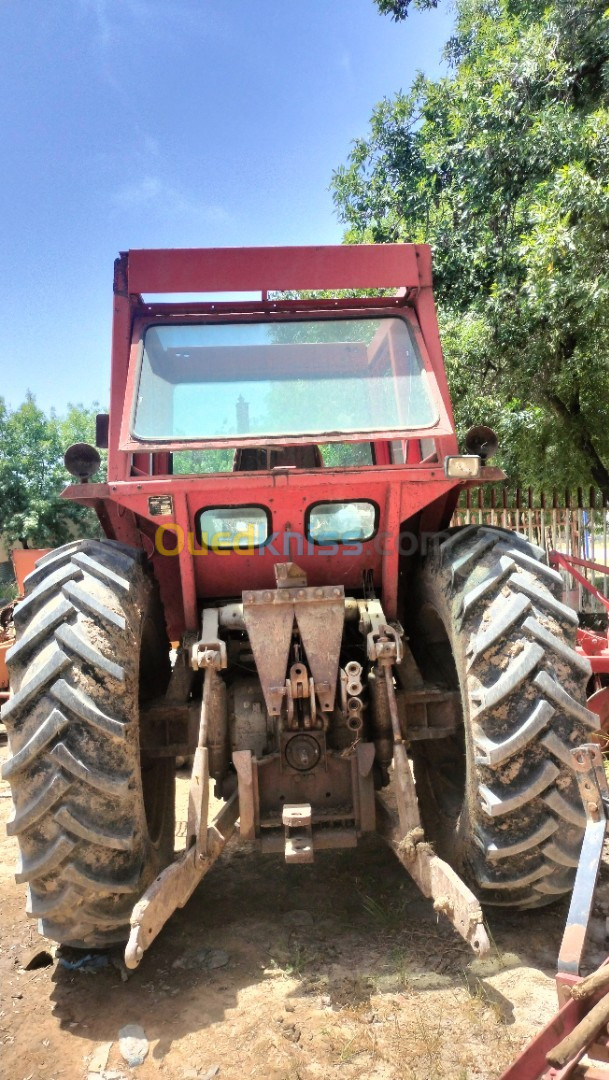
(350, 925)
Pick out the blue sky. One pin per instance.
(150, 123)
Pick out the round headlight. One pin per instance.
(81, 460)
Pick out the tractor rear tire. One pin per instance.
(93, 817)
(499, 798)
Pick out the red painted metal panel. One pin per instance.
(400, 503)
(532, 1064)
(398, 492)
(430, 332)
(161, 309)
(571, 562)
(187, 566)
(24, 561)
(348, 266)
(599, 664)
(118, 464)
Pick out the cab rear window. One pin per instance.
(342, 522)
(225, 528)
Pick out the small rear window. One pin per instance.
(342, 522)
(223, 528)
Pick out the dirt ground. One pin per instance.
(339, 969)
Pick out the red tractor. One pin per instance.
(282, 476)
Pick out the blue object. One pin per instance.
(86, 963)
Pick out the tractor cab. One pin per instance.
(245, 433)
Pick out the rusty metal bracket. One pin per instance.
(298, 681)
(435, 878)
(404, 833)
(198, 801)
(209, 650)
(176, 884)
(408, 804)
(246, 767)
(204, 843)
(588, 766)
(298, 833)
(363, 785)
(383, 642)
(401, 827)
(289, 575)
(269, 616)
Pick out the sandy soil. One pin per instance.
(284, 973)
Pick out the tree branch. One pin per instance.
(582, 440)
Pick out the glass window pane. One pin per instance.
(187, 462)
(397, 452)
(307, 378)
(341, 521)
(234, 527)
(344, 453)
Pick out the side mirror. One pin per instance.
(481, 441)
(102, 421)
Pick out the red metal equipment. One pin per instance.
(405, 480)
(592, 644)
(282, 476)
(24, 560)
(590, 1057)
(575, 1042)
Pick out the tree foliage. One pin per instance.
(503, 167)
(32, 475)
(398, 9)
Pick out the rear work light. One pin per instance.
(463, 466)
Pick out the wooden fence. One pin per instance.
(574, 523)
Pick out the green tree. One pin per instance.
(32, 475)
(503, 167)
(398, 9)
